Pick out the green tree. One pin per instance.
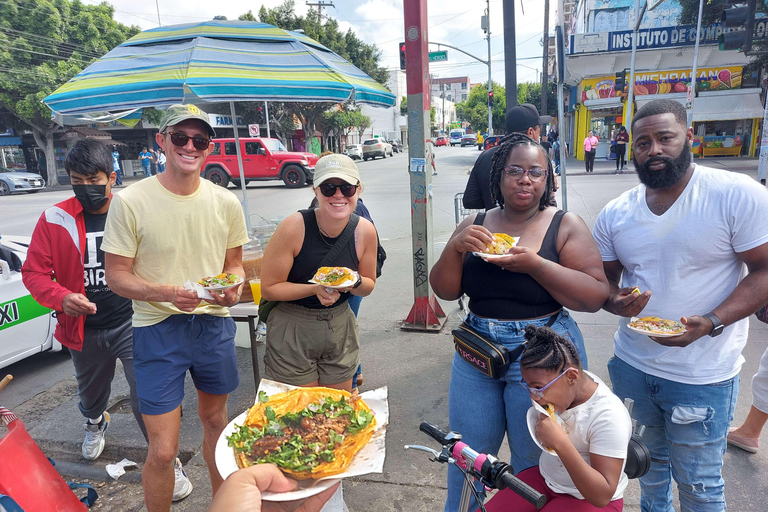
(530, 92)
(44, 43)
(404, 106)
(475, 109)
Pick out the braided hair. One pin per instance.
(508, 143)
(548, 350)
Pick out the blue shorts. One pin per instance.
(162, 354)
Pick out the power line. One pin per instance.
(47, 54)
(37, 39)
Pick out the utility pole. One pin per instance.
(442, 95)
(485, 24)
(545, 66)
(426, 315)
(320, 4)
(157, 5)
(510, 53)
(692, 86)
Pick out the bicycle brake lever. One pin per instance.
(434, 453)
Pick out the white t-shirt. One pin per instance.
(687, 258)
(602, 426)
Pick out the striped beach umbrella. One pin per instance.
(215, 61)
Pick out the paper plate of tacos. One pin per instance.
(314, 435)
(222, 281)
(335, 277)
(656, 327)
(502, 242)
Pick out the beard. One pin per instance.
(673, 171)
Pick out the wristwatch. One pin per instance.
(718, 326)
(358, 282)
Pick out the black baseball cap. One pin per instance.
(522, 117)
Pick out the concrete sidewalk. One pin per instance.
(744, 165)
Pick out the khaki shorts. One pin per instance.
(307, 345)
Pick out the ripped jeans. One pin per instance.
(686, 429)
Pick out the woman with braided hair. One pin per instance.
(586, 472)
(555, 265)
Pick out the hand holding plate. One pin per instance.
(695, 327)
(326, 296)
(550, 434)
(520, 259)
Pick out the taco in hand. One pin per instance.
(502, 242)
(333, 276)
(306, 432)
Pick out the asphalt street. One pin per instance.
(414, 366)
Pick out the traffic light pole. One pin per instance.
(631, 95)
(426, 314)
(490, 83)
(695, 70)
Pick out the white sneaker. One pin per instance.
(93, 444)
(182, 487)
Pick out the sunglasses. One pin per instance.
(329, 189)
(180, 140)
(535, 174)
(539, 392)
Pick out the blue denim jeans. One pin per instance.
(147, 171)
(482, 409)
(686, 428)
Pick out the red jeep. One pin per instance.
(263, 159)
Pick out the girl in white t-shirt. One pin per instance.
(586, 472)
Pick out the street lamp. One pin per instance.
(639, 17)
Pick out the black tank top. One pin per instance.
(497, 293)
(312, 252)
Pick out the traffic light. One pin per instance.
(621, 81)
(490, 98)
(742, 16)
(260, 116)
(402, 55)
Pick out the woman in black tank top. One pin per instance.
(555, 264)
(312, 336)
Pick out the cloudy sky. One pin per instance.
(380, 22)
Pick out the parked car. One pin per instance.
(456, 135)
(26, 327)
(263, 159)
(15, 180)
(397, 146)
(376, 147)
(354, 151)
(468, 139)
(441, 141)
(492, 141)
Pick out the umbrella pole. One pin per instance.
(266, 116)
(240, 166)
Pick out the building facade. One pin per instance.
(727, 103)
(455, 89)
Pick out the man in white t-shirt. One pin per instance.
(682, 237)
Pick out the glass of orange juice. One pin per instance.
(256, 290)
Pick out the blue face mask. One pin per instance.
(92, 197)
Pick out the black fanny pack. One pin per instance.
(488, 357)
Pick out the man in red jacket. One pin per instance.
(64, 270)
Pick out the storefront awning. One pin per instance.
(603, 103)
(717, 105)
(12, 140)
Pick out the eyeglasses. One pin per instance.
(329, 189)
(180, 140)
(536, 174)
(539, 392)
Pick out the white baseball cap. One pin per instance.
(336, 166)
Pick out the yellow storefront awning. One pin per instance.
(717, 105)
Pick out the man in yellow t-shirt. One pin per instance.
(200, 233)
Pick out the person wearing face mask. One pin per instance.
(64, 271)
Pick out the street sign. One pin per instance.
(253, 130)
(438, 56)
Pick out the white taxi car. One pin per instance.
(26, 327)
